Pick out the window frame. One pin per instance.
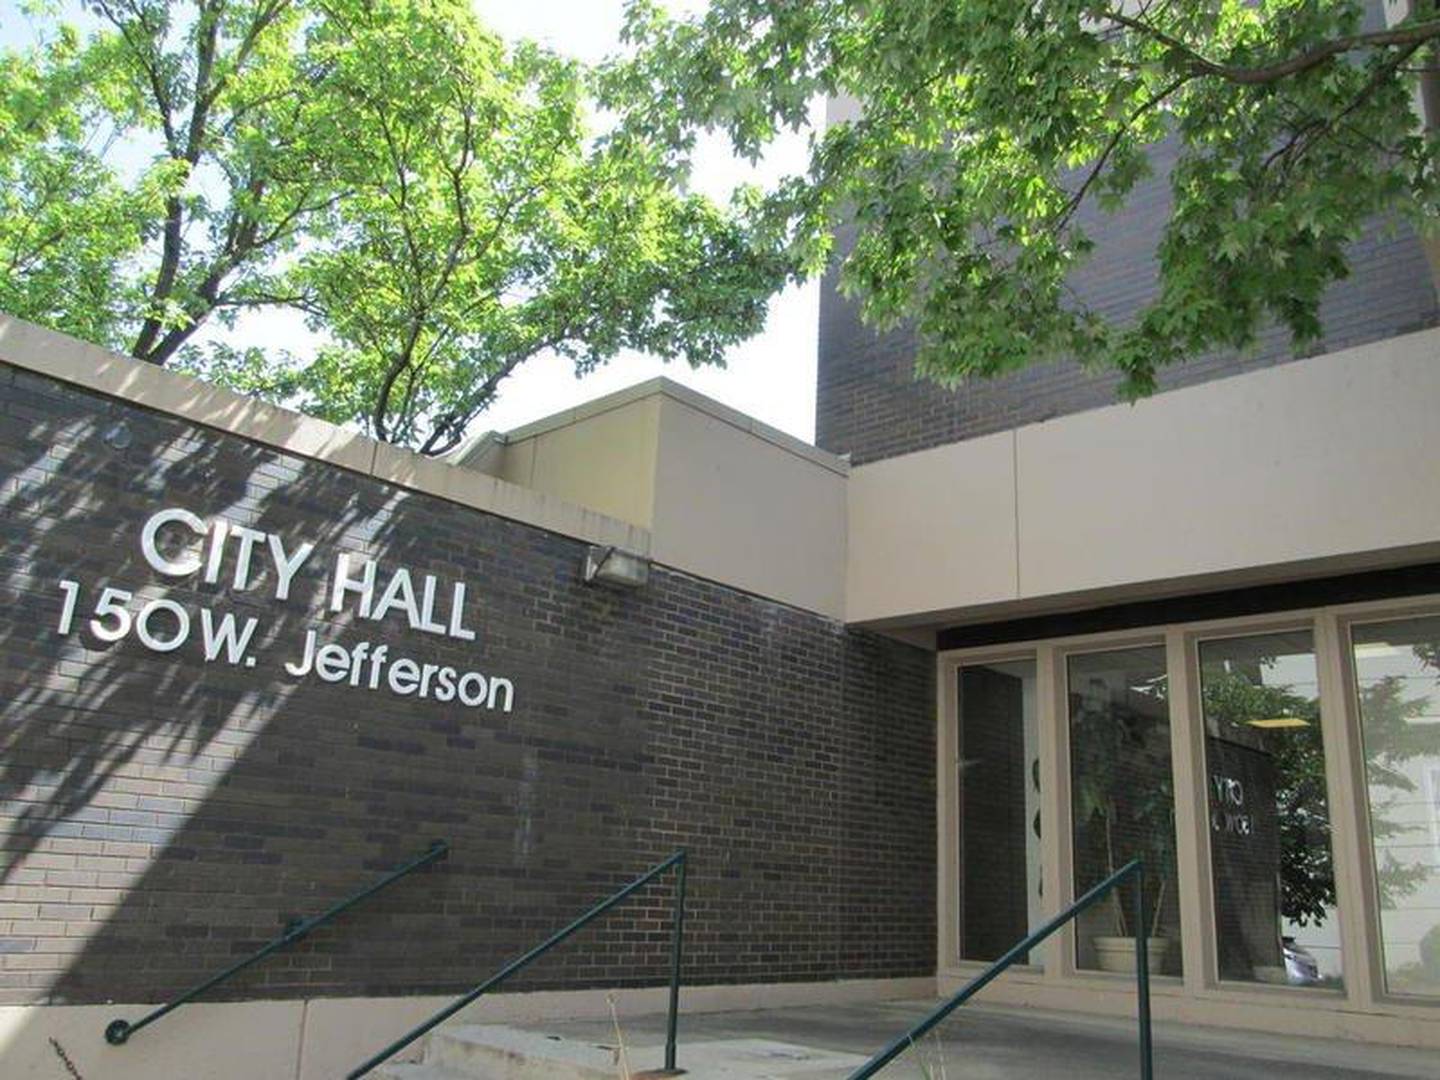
(1060, 983)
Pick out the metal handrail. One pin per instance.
(1135, 868)
(118, 1032)
(677, 947)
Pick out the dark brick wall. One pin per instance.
(871, 405)
(162, 815)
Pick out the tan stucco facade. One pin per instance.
(1307, 468)
(721, 495)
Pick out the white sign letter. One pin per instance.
(286, 566)
(185, 565)
(344, 583)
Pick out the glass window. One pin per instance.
(999, 771)
(1397, 674)
(1273, 872)
(1123, 804)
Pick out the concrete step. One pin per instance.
(498, 1052)
(420, 1071)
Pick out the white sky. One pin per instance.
(771, 377)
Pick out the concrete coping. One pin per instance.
(58, 356)
(477, 448)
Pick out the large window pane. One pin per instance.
(999, 808)
(1123, 804)
(1274, 876)
(1397, 670)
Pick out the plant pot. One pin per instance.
(1118, 953)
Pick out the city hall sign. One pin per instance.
(356, 584)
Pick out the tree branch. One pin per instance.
(1414, 34)
(1308, 135)
(1075, 200)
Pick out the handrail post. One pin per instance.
(677, 950)
(1142, 975)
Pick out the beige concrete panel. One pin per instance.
(567, 519)
(1317, 459)
(66, 359)
(69, 360)
(748, 512)
(932, 530)
(340, 1033)
(483, 453)
(239, 1041)
(517, 463)
(605, 461)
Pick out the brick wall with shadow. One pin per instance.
(170, 799)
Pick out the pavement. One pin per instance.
(982, 1042)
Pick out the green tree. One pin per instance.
(988, 125)
(432, 200)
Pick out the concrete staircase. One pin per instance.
(496, 1052)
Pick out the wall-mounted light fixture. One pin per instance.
(608, 565)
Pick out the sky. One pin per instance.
(771, 377)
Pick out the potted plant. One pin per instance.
(1124, 809)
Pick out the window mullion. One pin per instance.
(1345, 772)
(1187, 754)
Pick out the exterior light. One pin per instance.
(612, 566)
(1280, 722)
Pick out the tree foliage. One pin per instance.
(988, 126)
(433, 200)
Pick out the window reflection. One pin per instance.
(1273, 872)
(1123, 804)
(1397, 674)
(1000, 890)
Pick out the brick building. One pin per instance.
(901, 697)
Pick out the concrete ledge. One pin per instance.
(202, 1042)
(677, 392)
(322, 1038)
(1315, 467)
(1280, 1011)
(58, 356)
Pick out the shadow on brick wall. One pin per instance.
(163, 814)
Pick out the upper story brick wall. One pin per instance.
(161, 814)
(871, 405)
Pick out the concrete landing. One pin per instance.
(496, 1052)
(978, 1043)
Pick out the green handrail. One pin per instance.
(1135, 868)
(118, 1032)
(676, 951)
